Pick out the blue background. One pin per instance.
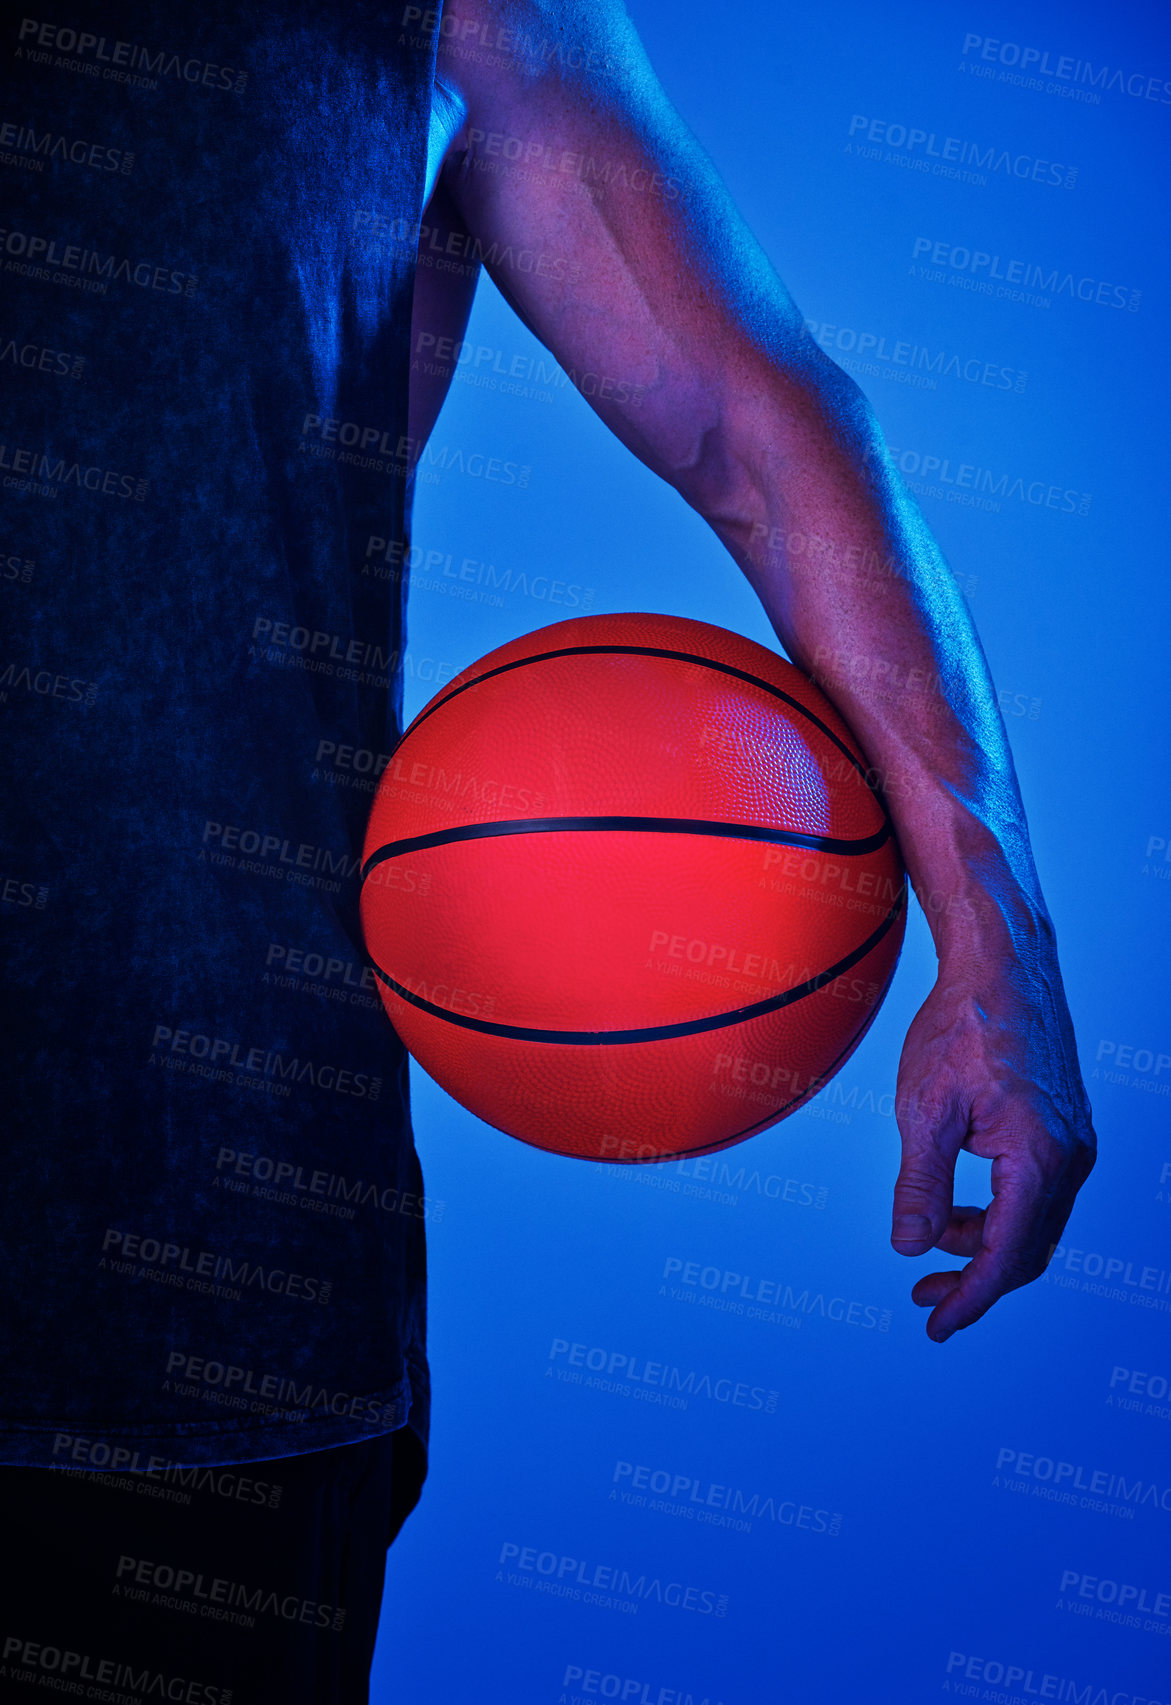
(943, 1574)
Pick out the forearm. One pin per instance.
(798, 486)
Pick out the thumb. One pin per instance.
(925, 1184)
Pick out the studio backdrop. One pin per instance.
(703, 1384)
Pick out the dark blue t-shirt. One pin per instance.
(214, 1249)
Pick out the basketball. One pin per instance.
(628, 890)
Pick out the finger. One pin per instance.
(964, 1235)
(965, 1296)
(933, 1287)
(1007, 1257)
(964, 1232)
(923, 1189)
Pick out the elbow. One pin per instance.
(776, 433)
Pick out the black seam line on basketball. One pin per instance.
(816, 1086)
(760, 1124)
(819, 1083)
(647, 825)
(657, 1032)
(651, 651)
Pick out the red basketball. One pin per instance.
(627, 890)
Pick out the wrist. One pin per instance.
(979, 892)
(982, 926)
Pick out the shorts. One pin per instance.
(254, 1583)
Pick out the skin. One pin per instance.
(551, 137)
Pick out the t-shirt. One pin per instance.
(214, 1248)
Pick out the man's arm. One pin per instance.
(652, 281)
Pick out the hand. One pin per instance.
(989, 1065)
